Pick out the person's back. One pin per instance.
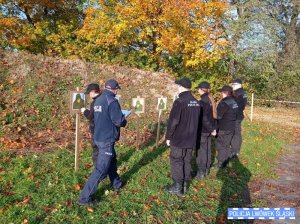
(208, 111)
(182, 132)
(107, 113)
(182, 136)
(207, 129)
(240, 97)
(227, 114)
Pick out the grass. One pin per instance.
(43, 188)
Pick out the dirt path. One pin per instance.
(283, 192)
(282, 116)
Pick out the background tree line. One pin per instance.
(256, 40)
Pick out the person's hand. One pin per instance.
(168, 142)
(82, 109)
(214, 133)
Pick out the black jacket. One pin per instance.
(240, 97)
(227, 114)
(208, 114)
(183, 121)
(89, 114)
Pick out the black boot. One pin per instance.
(200, 175)
(175, 188)
(186, 185)
(207, 172)
(220, 165)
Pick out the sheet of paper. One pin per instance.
(126, 113)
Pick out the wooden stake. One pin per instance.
(251, 113)
(77, 145)
(158, 128)
(138, 136)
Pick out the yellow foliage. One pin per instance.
(159, 27)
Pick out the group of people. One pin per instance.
(191, 124)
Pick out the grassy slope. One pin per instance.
(34, 98)
(43, 187)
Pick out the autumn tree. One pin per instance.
(39, 26)
(264, 42)
(188, 32)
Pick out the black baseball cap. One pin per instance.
(203, 85)
(226, 88)
(91, 87)
(112, 84)
(184, 82)
(239, 81)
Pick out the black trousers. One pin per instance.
(203, 158)
(223, 145)
(95, 151)
(236, 141)
(180, 160)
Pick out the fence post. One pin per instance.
(77, 139)
(252, 102)
(158, 129)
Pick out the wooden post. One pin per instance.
(158, 128)
(138, 135)
(77, 145)
(251, 112)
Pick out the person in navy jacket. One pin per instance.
(108, 119)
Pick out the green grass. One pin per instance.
(41, 188)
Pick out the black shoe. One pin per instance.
(200, 175)
(218, 166)
(90, 203)
(207, 172)
(234, 156)
(186, 185)
(118, 189)
(175, 188)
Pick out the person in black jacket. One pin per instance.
(108, 119)
(181, 136)
(208, 128)
(240, 97)
(227, 114)
(93, 90)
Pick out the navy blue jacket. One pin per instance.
(108, 118)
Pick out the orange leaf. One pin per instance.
(147, 207)
(25, 201)
(77, 187)
(89, 209)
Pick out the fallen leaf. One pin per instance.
(89, 209)
(77, 187)
(197, 216)
(25, 200)
(124, 214)
(147, 207)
